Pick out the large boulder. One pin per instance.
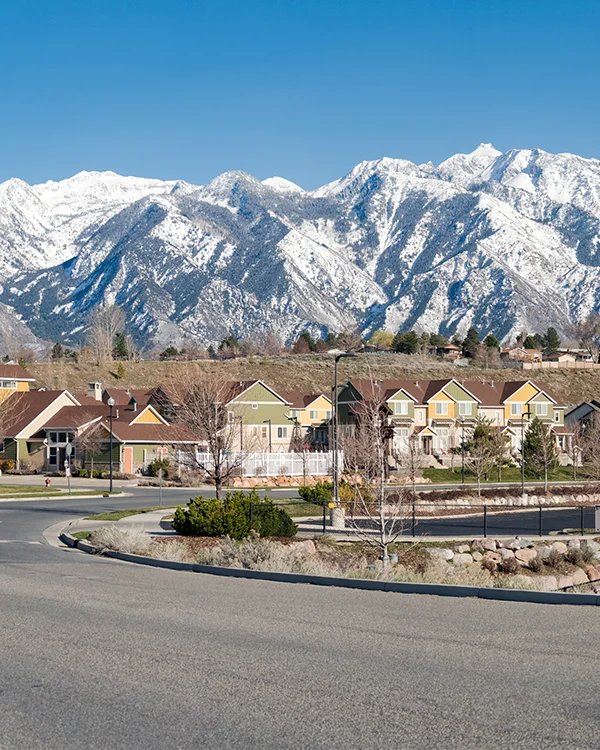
(525, 556)
(306, 547)
(477, 556)
(546, 583)
(592, 573)
(574, 544)
(463, 558)
(544, 552)
(591, 545)
(489, 544)
(514, 544)
(440, 553)
(505, 553)
(579, 576)
(560, 547)
(477, 545)
(462, 548)
(493, 556)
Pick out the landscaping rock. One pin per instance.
(306, 547)
(560, 547)
(591, 545)
(544, 552)
(462, 548)
(477, 545)
(506, 553)
(579, 576)
(546, 583)
(514, 544)
(574, 544)
(525, 556)
(592, 573)
(489, 544)
(477, 556)
(564, 582)
(494, 556)
(440, 553)
(462, 558)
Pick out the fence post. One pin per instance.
(484, 520)
(540, 529)
(324, 511)
(251, 511)
(582, 521)
(413, 520)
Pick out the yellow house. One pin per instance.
(312, 411)
(14, 379)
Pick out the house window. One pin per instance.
(556, 416)
(255, 406)
(2, 446)
(255, 432)
(52, 437)
(419, 416)
(313, 414)
(8, 384)
(516, 410)
(62, 437)
(441, 407)
(295, 413)
(231, 416)
(465, 408)
(328, 414)
(263, 432)
(401, 407)
(53, 456)
(541, 410)
(282, 432)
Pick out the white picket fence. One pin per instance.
(258, 464)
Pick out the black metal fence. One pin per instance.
(419, 519)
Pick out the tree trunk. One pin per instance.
(92, 467)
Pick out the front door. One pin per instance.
(128, 460)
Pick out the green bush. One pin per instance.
(320, 494)
(233, 517)
(80, 473)
(157, 465)
(7, 465)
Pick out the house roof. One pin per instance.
(15, 372)
(123, 396)
(144, 432)
(20, 409)
(75, 416)
(300, 400)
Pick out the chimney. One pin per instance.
(134, 405)
(95, 391)
(117, 414)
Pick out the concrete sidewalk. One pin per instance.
(149, 523)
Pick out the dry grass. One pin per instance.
(310, 372)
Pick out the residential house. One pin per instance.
(14, 379)
(139, 436)
(560, 357)
(260, 415)
(313, 414)
(23, 416)
(520, 354)
(582, 414)
(436, 414)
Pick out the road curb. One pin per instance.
(432, 589)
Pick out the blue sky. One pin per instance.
(305, 90)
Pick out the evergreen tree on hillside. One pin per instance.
(491, 341)
(529, 343)
(551, 341)
(120, 350)
(309, 340)
(406, 343)
(471, 342)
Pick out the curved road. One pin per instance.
(101, 654)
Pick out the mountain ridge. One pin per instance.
(503, 241)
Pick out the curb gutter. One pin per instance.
(433, 589)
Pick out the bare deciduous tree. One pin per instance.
(587, 332)
(484, 449)
(203, 411)
(104, 323)
(371, 506)
(91, 442)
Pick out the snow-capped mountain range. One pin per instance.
(503, 241)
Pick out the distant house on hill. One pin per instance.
(520, 354)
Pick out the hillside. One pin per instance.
(310, 372)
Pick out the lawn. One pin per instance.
(509, 474)
(298, 508)
(117, 515)
(7, 490)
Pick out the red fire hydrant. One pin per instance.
(48, 480)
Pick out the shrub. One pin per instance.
(7, 465)
(587, 555)
(537, 564)
(554, 558)
(236, 516)
(80, 473)
(488, 564)
(320, 494)
(574, 556)
(157, 465)
(510, 566)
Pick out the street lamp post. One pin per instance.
(527, 412)
(268, 421)
(462, 450)
(111, 403)
(241, 419)
(336, 473)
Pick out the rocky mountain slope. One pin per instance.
(503, 241)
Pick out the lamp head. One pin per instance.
(345, 355)
(111, 402)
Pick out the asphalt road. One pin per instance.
(100, 654)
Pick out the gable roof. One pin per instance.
(300, 400)
(21, 409)
(123, 396)
(15, 372)
(75, 416)
(238, 388)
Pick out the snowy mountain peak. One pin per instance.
(282, 185)
(464, 168)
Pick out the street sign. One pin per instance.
(69, 449)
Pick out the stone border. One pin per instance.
(434, 589)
